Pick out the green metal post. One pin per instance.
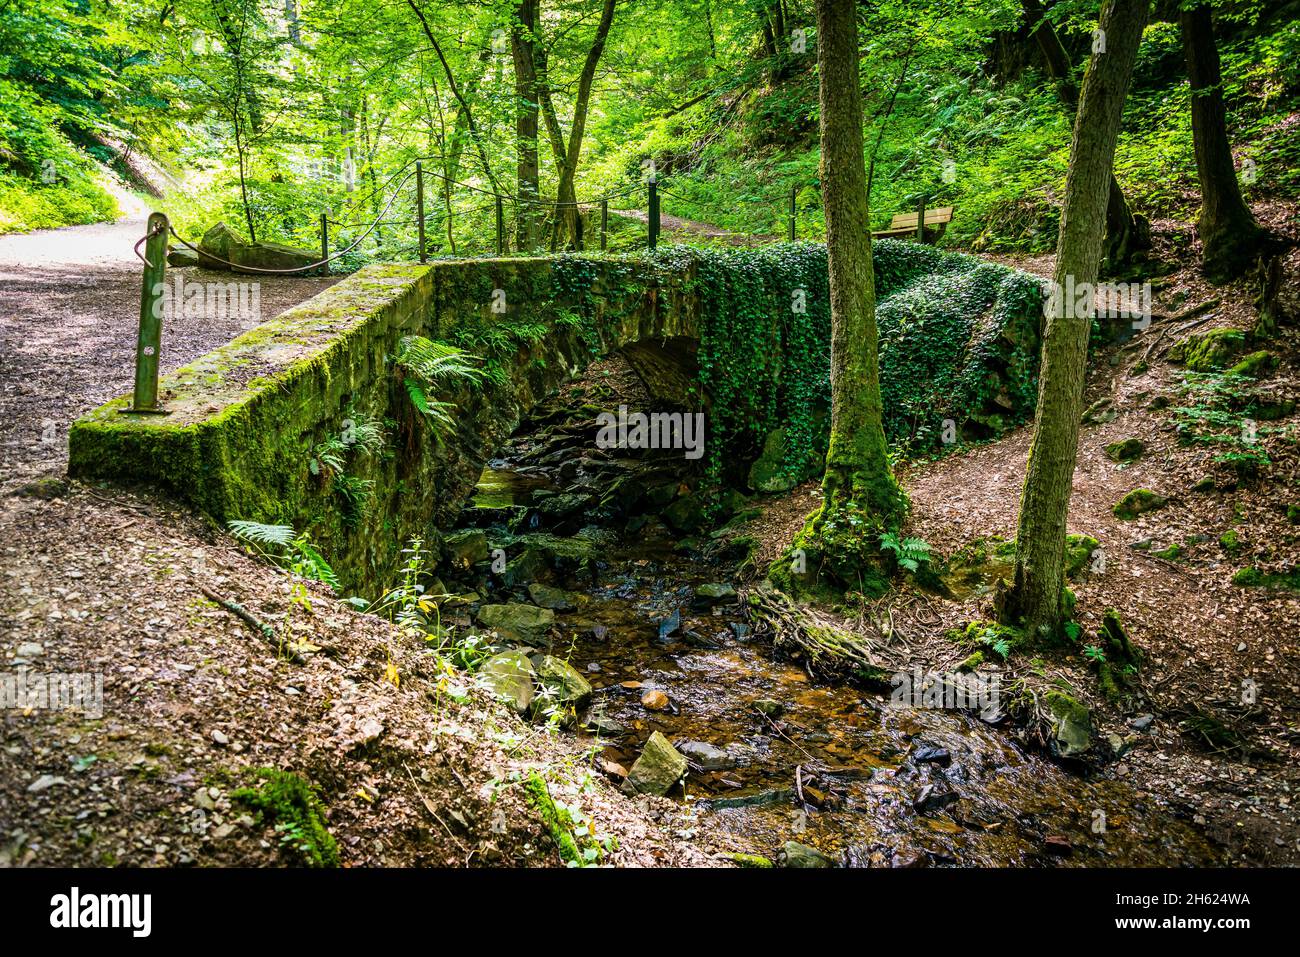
(654, 214)
(419, 207)
(149, 341)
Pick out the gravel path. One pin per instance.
(69, 309)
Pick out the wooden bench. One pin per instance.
(904, 224)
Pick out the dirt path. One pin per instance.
(69, 311)
(677, 229)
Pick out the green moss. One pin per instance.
(748, 860)
(288, 802)
(1293, 514)
(1256, 365)
(558, 822)
(1127, 450)
(1171, 553)
(988, 636)
(1230, 541)
(972, 661)
(1209, 351)
(1137, 502)
(1079, 550)
(1252, 577)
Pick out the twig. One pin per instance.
(244, 615)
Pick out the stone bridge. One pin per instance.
(245, 422)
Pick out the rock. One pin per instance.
(564, 681)
(1127, 450)
(29, 650)
(1256, 365)
(1099, 413)
(465, 549)
(219, 241)
(528, 566)
(929, 755)
(909, 859)
(769, 474)
(706, 756)
(563, 505)
(714, 593)
(509, 675)
(1142, 722)
(1138, 502)
(739, 629)
(931, 799)
(220, 737)
(770, 708)
(47, 487)
(685, 515)
(258, 256)
(1208, 351)
(557, 599)
(44, 783)
(654, 700)
(1071, 724)
(659, 767)
(1057, 846)
(1205, 483)
(602, 724)
(517, 621)
(794, 854)
(179, 257)
(669, 625)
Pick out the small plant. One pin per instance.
(432, 366)
(286, 549)
(1093, 653)
(909, 553)
(289, 803)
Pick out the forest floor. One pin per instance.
(109, 582)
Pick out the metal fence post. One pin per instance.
(419, 207)
(920, 221)
(324, 244)
(604, 224)
(793, 192)
(654, 214)
(149, 341)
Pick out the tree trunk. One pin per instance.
(1036, 597)
(568, 222)
(1230, 237)
(1126, 234)
(861, 497)
(523, 40)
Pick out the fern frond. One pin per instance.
(260, 534)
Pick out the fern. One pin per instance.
(910, 553)
(435, 366)
(259, 534)
(297, 554)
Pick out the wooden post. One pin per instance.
(149, 340)
(324, 244)
(501, 229)
(419, 207)
(604, 224)
(793, 193)
(920, 221)
(654, 214)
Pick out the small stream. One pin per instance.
(777, 756)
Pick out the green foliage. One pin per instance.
(909, 553)
(435, 367)
(571, 830)
(1222, 410)
(289, 802)
(282, 546)
(988, 636)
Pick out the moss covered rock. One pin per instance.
(1209, 351)
(1071, 724)
(1138, 502)
(1126, 450)
(1256, 365)
(566, 685)
(517, 621)
(509, 675)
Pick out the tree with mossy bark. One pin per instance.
(1231, 239)
(1036, 600)
(861, 499)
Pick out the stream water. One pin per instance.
(777, 756)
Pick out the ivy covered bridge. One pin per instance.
(259, 429)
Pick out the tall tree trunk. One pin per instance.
(523, 38)
(860, 496)
(1230, 237)
(1036, 597)
(568, 221)
(1126, 233)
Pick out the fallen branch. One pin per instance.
(247, 617)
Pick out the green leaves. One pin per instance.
(435, 366)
